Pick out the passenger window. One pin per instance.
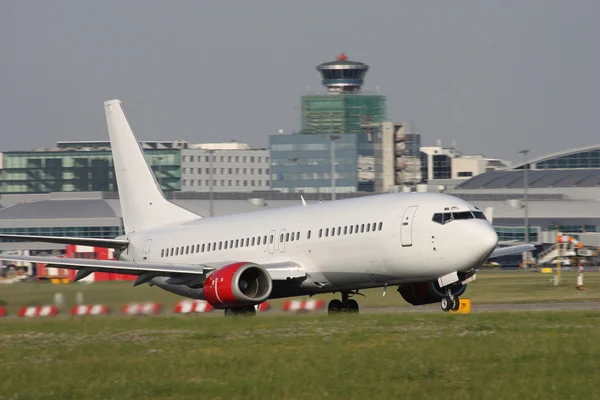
(220, 245)
(438, 217)
(181, 250)
(237, 242)
(368, 226)
(345, 230)
(380, 225)
(287, 237)
(271, 239)
(362, 228)
(225, 246)
(247, 242)
(292, 237)
(356, 229)
(162, 253)
(253, 239)
(214, 246)
(308, 235)
(202, 247)
(177, 251)
(198, 248)
(187, 249)
(231, 244)
(326, 232)
(320, 232)
(339, 230)
(351, 226)
(332, 231)
(297, 235)
(281, 238)
(265, 240)
(373, 226)
(172, 251)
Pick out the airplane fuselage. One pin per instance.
(342, 245)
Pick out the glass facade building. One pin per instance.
(302, 163)
(338, 113)
(108, 232)
(70, 171)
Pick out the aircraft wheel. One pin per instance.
(446, 304)
(455, 304)
(352, 306)
(334, 307)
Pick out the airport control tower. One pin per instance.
(344, 108)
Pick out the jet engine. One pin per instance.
(427, 292)
(236, 285)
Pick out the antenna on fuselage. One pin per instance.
(303, 201)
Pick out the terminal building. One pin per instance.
(177, 165)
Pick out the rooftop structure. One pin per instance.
(343, 75)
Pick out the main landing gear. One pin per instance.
(449, 302)
(345, 305)
(249, 311)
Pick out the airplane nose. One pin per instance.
(487, 240)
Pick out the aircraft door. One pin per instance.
(147, 250)
(281, 241)
(271, 243)
(406, 226)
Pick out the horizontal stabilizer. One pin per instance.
(512, 250)
(108, 243)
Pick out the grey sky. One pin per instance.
(495, 76)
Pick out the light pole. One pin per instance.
(332, 139)
(210, 182)
(525, 202)
(294, 161)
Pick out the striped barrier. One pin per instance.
(38, 311)
(303, 305)
(142, 308)
(192, 306)
(2, 311)
(263, 306)
(94, 309)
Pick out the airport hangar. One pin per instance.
(563, 192)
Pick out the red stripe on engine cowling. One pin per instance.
(218, 286)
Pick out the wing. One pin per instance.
(181, 273)
(109, 243)
(512, 250)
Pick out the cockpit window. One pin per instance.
(479, 215)
(444, 218)
(463, 215)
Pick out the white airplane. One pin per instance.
(429, 245)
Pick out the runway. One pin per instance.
(501, 307)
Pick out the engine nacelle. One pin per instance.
(238, 284)
(427, 292)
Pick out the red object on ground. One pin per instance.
(303, 305)
(38, 311)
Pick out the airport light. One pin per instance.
(525, 202)
(332, 139)
(210, 182)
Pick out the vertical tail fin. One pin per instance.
(143, 204)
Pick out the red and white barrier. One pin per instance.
(39, 311)
(87, 309)
(262, 306)
(142, 308)
(192, 306)
(303, 305)
(2, 311)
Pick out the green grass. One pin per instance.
(490, 287)
(379, 356)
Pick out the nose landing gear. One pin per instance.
(450, 302)
(345, 305)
